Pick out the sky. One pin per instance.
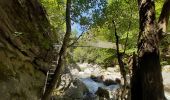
(76, 27)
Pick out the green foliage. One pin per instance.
(85, 12)
(164, 63)
(55, 12)
(102, 57)
(102, 30)
(79, 55)
(56, 16)
(158, 7)
(98, 14)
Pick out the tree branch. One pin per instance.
(121, 63)
(82, 33)
(117, 37)
(163, 19)
(119, 55)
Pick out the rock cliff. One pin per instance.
(25, 49)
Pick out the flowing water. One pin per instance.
(93, 86)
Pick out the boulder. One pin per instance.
(118, 81)
(90, 96)
(94, 78)
(108, 82)
(102, 93)
(74, 71)
(77, 91)
(97, 78)
(88, 71)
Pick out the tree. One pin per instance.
(62, 54)
(147, 82)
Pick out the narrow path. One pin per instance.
(52, 68)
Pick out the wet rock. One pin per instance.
(118, 81)
(98, 78)
(90, 96)
(108, 82)
(77, 91)
(93, 77)
(102, 93)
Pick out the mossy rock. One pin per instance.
(5, 72)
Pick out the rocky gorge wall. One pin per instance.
(25, 49)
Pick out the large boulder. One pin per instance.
(77, 91)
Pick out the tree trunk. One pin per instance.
(62, 54)
(147, 82)
(163, 19)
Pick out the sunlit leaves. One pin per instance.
(99, 14)
(102, 28)
(86, 12)
(158, 7)
(55, 11)
(84, 21)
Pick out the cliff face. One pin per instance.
(24, 49)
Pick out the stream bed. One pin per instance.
(110, 73)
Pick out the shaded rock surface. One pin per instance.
(76, 91)
(24, 49)
(108, 82)
(101, 92)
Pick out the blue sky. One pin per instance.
(77, 27)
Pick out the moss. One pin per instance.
(5, 72)
(29, 68)
(46, 44)
(41, 64)
(164, 63)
